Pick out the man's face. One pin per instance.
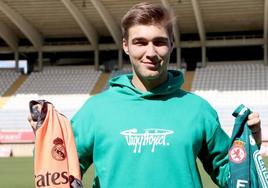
(149, 48)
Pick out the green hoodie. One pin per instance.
(150, 139)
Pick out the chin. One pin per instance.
(149, 74)
(152, 75)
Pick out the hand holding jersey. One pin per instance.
(35, 110)
(55, 156)
(246, 165)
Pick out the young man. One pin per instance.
(145, 131)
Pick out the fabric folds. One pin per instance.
(247, 168)
(55, 156)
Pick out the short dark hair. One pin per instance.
(146, 14)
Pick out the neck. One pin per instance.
(147, 84)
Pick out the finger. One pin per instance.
(32, 123)
(253, 115)
(30, 118)
(254, 122)
(254, 119)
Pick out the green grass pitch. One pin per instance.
(18, 172)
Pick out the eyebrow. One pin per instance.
(138, 39)
(154, 39)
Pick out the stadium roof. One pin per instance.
(87, 25)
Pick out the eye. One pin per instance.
(160, 43)
(140, 43)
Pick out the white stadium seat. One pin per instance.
(227, 85)
(67, 87)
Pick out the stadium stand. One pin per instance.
(228, 84)
(61, 80)
(7, 77)
(66, 87)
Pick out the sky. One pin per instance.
(11, 64)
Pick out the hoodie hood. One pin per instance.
(172, 85)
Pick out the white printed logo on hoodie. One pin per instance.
(149, 137)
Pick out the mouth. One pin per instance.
(152, 65)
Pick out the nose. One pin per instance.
(151, 52)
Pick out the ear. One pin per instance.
(171, 45)
(125, 46)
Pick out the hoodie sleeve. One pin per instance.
(82, 125)
(214, 151)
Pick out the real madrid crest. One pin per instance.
(237, 153)
(58, 151)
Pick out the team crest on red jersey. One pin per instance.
(237, 153)
(58, 151)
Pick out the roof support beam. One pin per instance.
(29, 31)
(199, 22)
(265, 32)
(9, 36)
(201, 29)
(109, 22)
(86, 27)
(176, 32)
